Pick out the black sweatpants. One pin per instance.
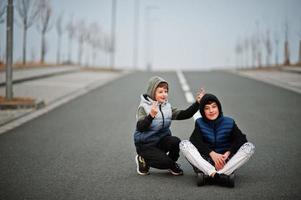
(163, 155)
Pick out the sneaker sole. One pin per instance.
(174, 173)
(137, 163)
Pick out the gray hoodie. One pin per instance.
(149, 131)
(159, 126)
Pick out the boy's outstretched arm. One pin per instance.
(191, 110)
(185, 114)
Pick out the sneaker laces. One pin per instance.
(142, 161)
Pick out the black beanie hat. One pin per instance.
(209, 98)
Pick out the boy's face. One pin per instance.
(211, 111)
(161, 94)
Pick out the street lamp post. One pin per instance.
(9, 49)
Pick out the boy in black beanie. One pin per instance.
(217, 147)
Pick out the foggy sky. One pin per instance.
(187, 34)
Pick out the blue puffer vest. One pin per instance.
(159, 127)
(217, 133)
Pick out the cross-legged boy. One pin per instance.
(216, 147)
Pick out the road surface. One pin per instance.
(84, 149)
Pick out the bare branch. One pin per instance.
(59, 24)
(28, 12)
(45, 13)
(70, 28)
(59, 30)
(2, 11)
(44, 25)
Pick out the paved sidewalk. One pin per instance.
(21, 75)
(54, 91)
(285, 77)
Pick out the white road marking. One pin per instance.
(188, 95)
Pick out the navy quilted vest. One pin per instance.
(217, 134)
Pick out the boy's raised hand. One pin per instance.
(154, 109)
(200, 95)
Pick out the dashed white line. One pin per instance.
(188, 95)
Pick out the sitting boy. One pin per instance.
(217, 147)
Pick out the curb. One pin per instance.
(37, 104)
(40, 77)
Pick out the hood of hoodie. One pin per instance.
(152, 85)
(207, 98)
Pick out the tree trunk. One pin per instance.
(43, 50)
(300, 52)
(69, 50)
(24, 45)
(276, 55)
(80, 53)
(58, 55)
(286, 54)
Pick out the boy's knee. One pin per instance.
(248, 148)
(176, 140)
(184, 144)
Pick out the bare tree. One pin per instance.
(81, 34)
(238, 51)
(299, 61)
(246, 46)
(258, 40)
(253, 49)
(44, 25)
(94, 41)
(33, 54)
(87, 38)
(286, 45)
(259, 50)
(2, 11)
(106, 44)
(71, 32)
(28, 12)
(268, 46)
(59, 31)
(276, 41)
(2, 19)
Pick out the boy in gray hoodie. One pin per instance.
(155, 145)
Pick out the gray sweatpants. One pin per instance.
(194, 157)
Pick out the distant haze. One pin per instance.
(186, 34)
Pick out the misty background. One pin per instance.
(161, 34)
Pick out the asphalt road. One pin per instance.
(84, 149)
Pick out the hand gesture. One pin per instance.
(226, 155)
(154, 109)
(200, 95)
(218, 160)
